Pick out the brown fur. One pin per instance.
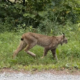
(48, 42)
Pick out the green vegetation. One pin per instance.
(43, 14)
(49, 17)
(68, 54)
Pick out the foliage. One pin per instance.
(40, 16)
(68, 54)
(38, 13)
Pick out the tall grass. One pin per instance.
(68, 54)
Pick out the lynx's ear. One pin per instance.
(63, 35)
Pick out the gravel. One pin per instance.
(37, 76)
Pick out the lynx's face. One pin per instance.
(64, 39)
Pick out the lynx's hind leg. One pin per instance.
(29, 46)
(21, 46)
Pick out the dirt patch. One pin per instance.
(56, 72)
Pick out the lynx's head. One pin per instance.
(62, 39)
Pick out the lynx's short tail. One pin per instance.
(22, 39)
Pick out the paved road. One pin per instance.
(37, 76)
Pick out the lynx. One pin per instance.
(48, 42)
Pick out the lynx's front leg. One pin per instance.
(54, 53)
(45, 52)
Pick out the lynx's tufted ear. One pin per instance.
(63, 35)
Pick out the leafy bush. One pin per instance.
(68, 54)
(46, 15)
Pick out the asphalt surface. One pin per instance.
(37, 76)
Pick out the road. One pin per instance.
(37, 76)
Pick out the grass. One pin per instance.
(68, 54)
